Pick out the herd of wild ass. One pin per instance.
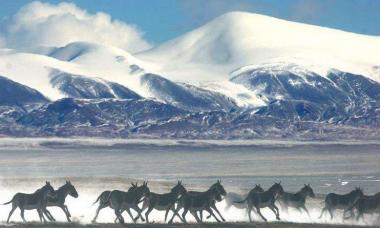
(142, 200)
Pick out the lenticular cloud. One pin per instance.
(43, 24)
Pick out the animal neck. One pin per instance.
(139, 193)
(176, 193)
(272, 190)
(302, 193)
(63, 190)
(212, 189)
(351, 194)
(42, 192)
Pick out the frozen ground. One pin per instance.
(96, 165)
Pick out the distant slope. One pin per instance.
(13, 93)
(185, 96)
(77, 86)
(293, 92)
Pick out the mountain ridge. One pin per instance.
(240, 73)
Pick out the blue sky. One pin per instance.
(164, 19)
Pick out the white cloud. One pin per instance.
(57, 25)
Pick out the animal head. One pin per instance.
(308, 190)
(357, 192)
(71, 189)
(133, 187)
(277, 188)
(48, 189)
(258, 188)
(179, 188)
(219, 188)
(143, 189)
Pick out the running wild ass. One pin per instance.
(36, 200)
(200, 201)
(259, 200)
(296, 200)
(335, 201)
(232, 198)
(163, 202)
(60, 198)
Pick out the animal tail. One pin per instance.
(8, 202)
(100, 196)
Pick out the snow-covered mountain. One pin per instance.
(295, 92)
(238, 39)
(238, 71)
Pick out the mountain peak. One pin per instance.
(237, 39)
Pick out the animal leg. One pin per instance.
(194, 213)
(22, 214)
(120, 217)
(147, 214)
(67, 209)
(167, 212)
(272, 207)
(11, 212)
(217, 211)
(97, 212)
(209, 210)
(322, 212)
(139, 213)
(261, 215)
(175, 213)
(128, 210)
(305, 209)
(39, 215)
(184, 214)
(66, 212)
(249, 210)
(360, 215)
(331, 213)
(48, 214)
